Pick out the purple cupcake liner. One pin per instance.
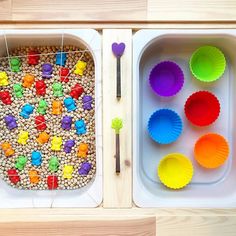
(166, 78)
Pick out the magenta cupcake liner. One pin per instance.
(166, 78)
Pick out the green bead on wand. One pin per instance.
(117, 124)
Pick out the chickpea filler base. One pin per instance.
(53, 122)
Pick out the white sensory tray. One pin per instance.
(90, 195)
(208, 188)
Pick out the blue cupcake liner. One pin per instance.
(165, 126)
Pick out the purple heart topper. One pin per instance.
(118, 49)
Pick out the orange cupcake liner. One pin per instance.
(211, 150)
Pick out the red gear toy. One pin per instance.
(13, 176)
(64, 73)
(5, 97)
(33, 58)
(76, 91)
(40, 123)
(40, 87)
(52, 182)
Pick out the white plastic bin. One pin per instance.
(90, 195)
(208, 188)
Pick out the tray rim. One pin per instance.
(92, 194)
(141, 40)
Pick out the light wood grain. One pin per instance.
(142, 227)
(5, 10)
(121, 11)
(196, 226)
(169, 222)
(117, 188)
(165, 225)
(91, 10)
(191, 10)
(72, 214)
(116, 25)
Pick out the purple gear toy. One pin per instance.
(68, 145)
(47, 70)
(85, 168)
(66, 122)
(10, 122)
(87, 102)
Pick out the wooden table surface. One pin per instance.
(114, 10)
(118, 215)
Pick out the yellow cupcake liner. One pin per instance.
(175, 170)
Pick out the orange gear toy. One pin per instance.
(83, 150)
(56, 107)
(28, 81)
(34, 177)
(7, 148)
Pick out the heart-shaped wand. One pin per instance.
(118, 50)
(117, 124)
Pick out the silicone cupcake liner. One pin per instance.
(202, 108)
(207, 63)
(175, 171)
(211, 150)
(166, 78)
(165, 126)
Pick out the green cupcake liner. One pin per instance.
(207, 63)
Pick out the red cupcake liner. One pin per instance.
(202, 108)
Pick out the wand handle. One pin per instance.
(117, 153)
(118, 79)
